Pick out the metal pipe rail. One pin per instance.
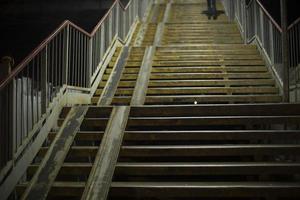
(256, 24)
(70, 56)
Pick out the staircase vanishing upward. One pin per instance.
(144, 137)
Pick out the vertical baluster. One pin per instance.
(117, 19)
(32, 93)
(15, 114)
(110, 29)
(285, 49)
(21, 107)
(27, 101)
(298, 43)
(77, 58)
(55, 66)
(80, 59)
(72, 64)
(102, 39)
(59, 60)
(83, 58)
(67, 43)
(90, 61)
(271, 36)
(44, 85)
(51, 69)
(97, 44)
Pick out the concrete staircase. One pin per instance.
(144, 137)
(195, 60)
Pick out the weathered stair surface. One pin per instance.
(73, 172)
(127, 81)
(189, 24)
(194, 11)
(197, 60)
(213, 151)
(107, 73)
(157, 13)
(156, 16)
(210, 74)
(129, 77)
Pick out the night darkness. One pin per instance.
(36, 19)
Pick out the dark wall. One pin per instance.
(26, 23)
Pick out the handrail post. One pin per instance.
(44, 85)
(261, 33)
(66, 54)
(90, 62)
(110, 27)
(102, 39)
(117, 20)
(285, 50)
(124, 25)
(255, 18)
(272, 52)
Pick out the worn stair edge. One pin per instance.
(112, 84)
(107, 155)
(205, 189)
(140, 90)
(42, 181)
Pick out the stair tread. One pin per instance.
(205, 184)
(204, 165)
(245, 146)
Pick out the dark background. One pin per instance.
(26, 23)
(273, 7)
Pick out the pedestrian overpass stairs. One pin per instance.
(144, 137)
(193, 59)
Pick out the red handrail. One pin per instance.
(42, 45)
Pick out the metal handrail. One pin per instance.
(296, 22)
(294, 60)
(268, 15)
(43, 44)
(69, 56)
(266, 12)
(37, 50)
(257, 25)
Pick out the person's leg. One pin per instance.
(214, 8)
(209, 9)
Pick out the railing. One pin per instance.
(294, 41)
(68, 57)
(256, 24)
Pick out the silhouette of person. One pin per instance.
(212, 9)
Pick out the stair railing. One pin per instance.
(294, 41)
(70, 56)
(258, 26)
